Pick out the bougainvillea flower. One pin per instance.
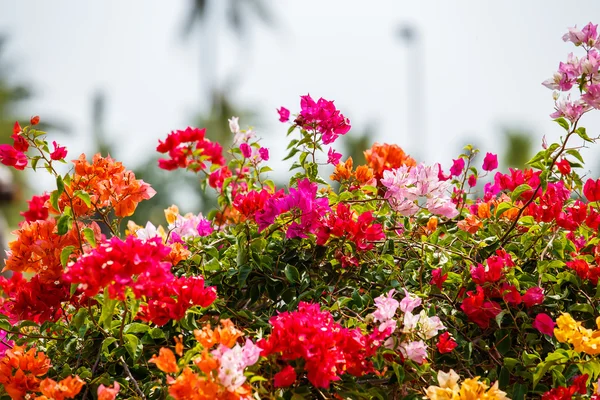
(533, 296)
(333, 157)
(284, 378)
(284, 114)
(544, 323)
(12, 157)
(490, 162)
(67, 388)
(323, 117)
(446, 343)
(478, 309)
(37, 208)
(457, 167)
(591, 189)
(59, 152)
(165, 361)
(108, 392)
(384, 157)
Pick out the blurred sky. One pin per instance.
(482, 67)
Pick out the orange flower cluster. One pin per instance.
(382, 157)
(20, 371)
(190, 385)
(363, 174)
(37, 249)
(109, 185)
(65, 389)
(227, 335)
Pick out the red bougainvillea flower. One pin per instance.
(284, 378)
(327, 348)
(437, 278)
(189, 148)
(34, 120)
(37, 208)
(564, 167)
(591, 189)
(446, 343)
(567, 393)
(20, 143)
(478, 309)
(544, 323)
(33, 300)
(12, 157)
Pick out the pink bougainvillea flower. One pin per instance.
(264, 153)
(415, 351)
(457, 167)
(323, 117)
(246, 150)
(59, 153)
(490, 162)
(333, 157)
(571, 110)
(472, 181)
(533, 296)
(592, 96)
(409, 303)
(284, 114)
(588, 35)
(12, 157)
(108, 393)
(544, 323)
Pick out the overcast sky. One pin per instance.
(481, 64)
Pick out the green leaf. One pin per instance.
(54, 199)
(63, 224)
(107, 342)
(65, 253)
(89, 236)
(583, 134)
(108, 306)
(519, 190)
(132, 345)
(60, 185)
(243, 273)
(84, 196)
(136, 327)
(585, 308)
(563, 122)
(502, 207)
(292, 274)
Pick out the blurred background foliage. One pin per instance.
(179, 187)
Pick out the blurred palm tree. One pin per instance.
(12, 185)
(518, 148)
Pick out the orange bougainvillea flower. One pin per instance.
(65, 389)
(226, 335)
(382, 157)
(37, 249)
(364, 175)
(179, 345)
(109, 186)
(205, 362)
(470, 224)
(165, 361)
(483, 210)
(108, 392)
(432, 224)
(20, 369)
(343, 171)
(178, 253)
(191, 386)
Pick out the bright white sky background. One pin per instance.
(484, 62)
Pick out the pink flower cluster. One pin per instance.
(581, 73)
(328, 349)
(304, 208)
(321, 116)
(233, 361)
(407, 185)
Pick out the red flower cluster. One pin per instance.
(567, 393)
(591, 189)
(342, 223)
(328, 349)
(550, 203)
(15, 156)
(584, 270)
(516, 178)
(37, 208)
(170, 302)
(32, 300)
(119, 264)
(478, 309)
(323, 117)
(494, 270)
(189, 148)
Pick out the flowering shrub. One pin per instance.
(393, 279)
